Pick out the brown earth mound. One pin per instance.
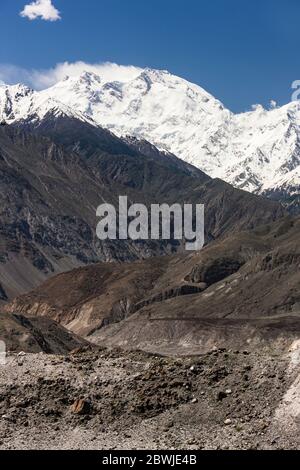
(36, 335)
(167, 301)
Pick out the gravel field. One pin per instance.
(111, 399)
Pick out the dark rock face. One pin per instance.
(185, 289)
(216, 270)
(290, 200)
(3, 295)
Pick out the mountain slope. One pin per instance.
(257, 151)
(36, 335)
(55, 174)
(241, 282)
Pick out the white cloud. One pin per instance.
(43, 9)
(40, 79)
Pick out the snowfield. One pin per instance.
(258, 151)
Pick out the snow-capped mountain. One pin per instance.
(19, 103)
(258, 151)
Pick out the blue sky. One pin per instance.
(242, 51)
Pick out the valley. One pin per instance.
(65, 168)
(122, 344)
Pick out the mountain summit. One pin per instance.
(258, 151)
